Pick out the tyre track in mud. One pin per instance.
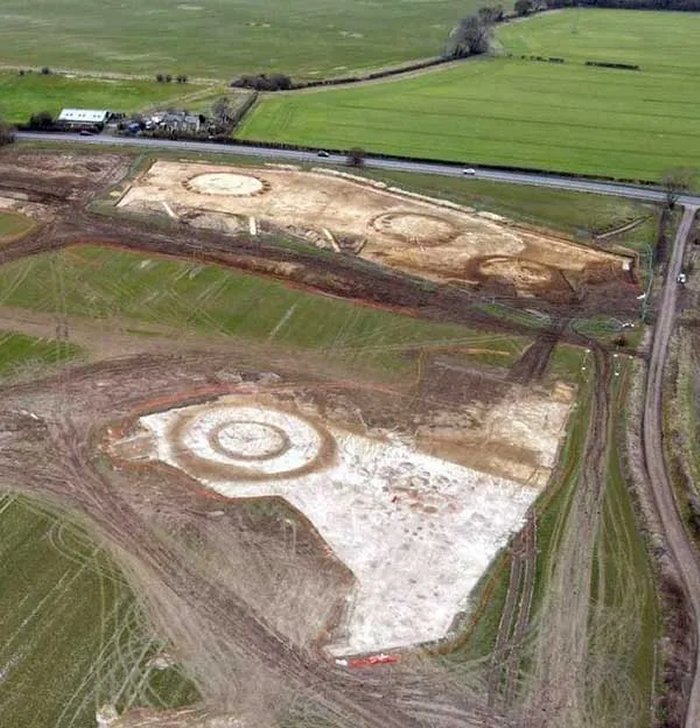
(559, 684)
(528, 557)
(505, 660)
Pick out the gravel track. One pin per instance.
(680, 547)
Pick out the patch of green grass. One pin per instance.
(598, 327)
(608, 331)
(578, 214)
(688, 395)
(67, 615)
(513, 112)
(566, 362)
(18, 350)
(212, 38)
(13, 225)
(640, 238)
(552, 507)
(210, 299)
(22, 96)
(533, 319)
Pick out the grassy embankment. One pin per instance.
(624, 619)
(214, 39)
(519, 112)
(211, 300)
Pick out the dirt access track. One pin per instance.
(428, 238)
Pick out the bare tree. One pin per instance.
(471, 37)
(222, 112)
(356, 157)
(491, 14)
(675, 182)
(523, 7)
(7, 135)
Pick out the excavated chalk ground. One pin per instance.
(416, 531)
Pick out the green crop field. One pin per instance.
(103, 282)
(221, 38)
(525, 113)
(21, 96)
(72, 635)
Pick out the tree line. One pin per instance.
(682, 5)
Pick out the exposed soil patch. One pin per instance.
(402, 232)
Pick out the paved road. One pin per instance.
(636, 192)
(682, 550)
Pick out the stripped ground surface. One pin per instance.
(447, 522)
(412, 234)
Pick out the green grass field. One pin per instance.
(523, 113)
(13, 225)
(21, 96)
(18, 350)
(72, 636)
(103, 282)
(221, 38)
(660, 41)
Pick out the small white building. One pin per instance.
(83, 117)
